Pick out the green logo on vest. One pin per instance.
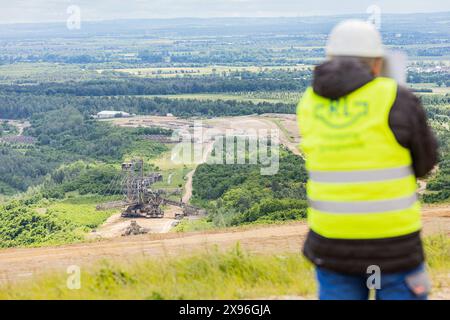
(340, 113)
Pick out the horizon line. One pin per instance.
(221, 17)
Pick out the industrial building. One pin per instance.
(107, 114)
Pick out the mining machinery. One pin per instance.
(141, 201)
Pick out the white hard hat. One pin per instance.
(355, 38)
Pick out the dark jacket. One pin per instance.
(407, 120)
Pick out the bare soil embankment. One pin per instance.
(25, 262)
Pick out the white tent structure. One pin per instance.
(112, 114)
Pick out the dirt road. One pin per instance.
(436, 219)
(115, 225)
(24, 263)
(207, 149)
(188, 187)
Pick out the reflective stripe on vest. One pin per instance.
(360, 175)
(363, 207)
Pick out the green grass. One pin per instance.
(211, 274)
(437, 248)
(202, 224)
(177, 178)
(193, 225)
(145, 149)
(81, 211)
(173, 169)
(166, 163)
(42, 72)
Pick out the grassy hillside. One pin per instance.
(213, 275)
(81, 211)
(208, 275)
(37, 221)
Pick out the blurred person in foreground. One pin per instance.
(366, 140)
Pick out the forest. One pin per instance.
(65, 136)
(24, 106)
(238, 194)
(128, 85)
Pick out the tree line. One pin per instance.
(126, 85)
(19, 106)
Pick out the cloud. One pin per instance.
(55, 10)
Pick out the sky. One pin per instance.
(14, 11)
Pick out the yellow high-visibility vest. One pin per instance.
(361, 183)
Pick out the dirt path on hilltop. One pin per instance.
(436, 219)
(26, 262)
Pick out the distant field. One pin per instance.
(432, 86)
(43, 72)
(256, 97)
(431, 59)
(199, 71)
